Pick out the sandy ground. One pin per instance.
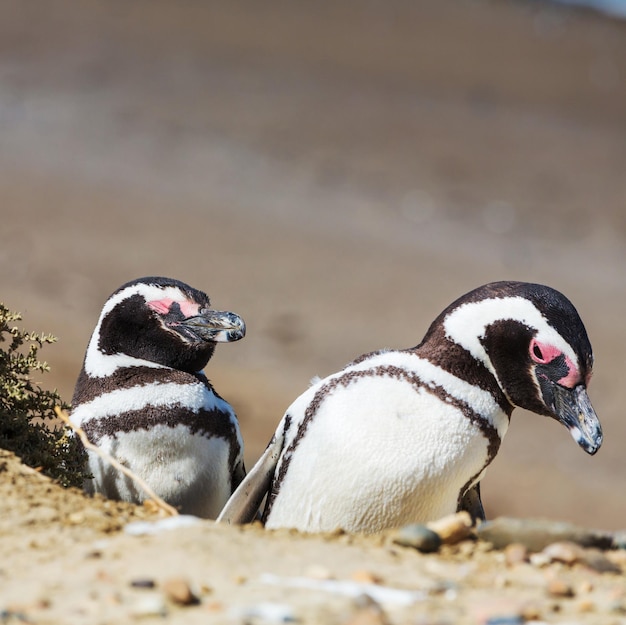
(317, 168)
(82, 568)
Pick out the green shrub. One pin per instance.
(28, 423)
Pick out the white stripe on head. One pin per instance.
(99, 365)
(468, 323)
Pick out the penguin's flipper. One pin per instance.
(245, 502)
(471, 502)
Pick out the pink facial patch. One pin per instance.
(190, 309)
(162, 306)
(543, 353)
(572, 378)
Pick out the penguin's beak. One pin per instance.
(573, 409)
(217, 326)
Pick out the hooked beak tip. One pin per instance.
(574, 410)
(589, 443)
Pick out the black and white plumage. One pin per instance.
(403, 436)
(142, 397)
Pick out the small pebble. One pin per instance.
(419, 537)
(369, 612)
(565, 552)
(596, 560)
(513, 619)
(205, 589)
(558, 588)
(76, 518)
(7, 615)
(531, 611)
(142, 582)
(466, 548)
(453, 528)
(585, 605)
(497, 608)
(178, 591)
(365, 601)
(539, 559)
(149, 605)
(365, 577)
(515, 553)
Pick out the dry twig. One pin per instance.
(162, 505)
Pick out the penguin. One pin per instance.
(405, 436)
(143, 398)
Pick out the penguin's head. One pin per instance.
(533, 341)
(161, 321)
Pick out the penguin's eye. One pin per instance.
(543, 353)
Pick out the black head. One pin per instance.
(533, 341)
(162, 321)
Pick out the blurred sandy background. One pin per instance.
(336, 173)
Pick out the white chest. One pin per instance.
(379, 452)
(148, 428)
(188, 471)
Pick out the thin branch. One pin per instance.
(169, 510)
